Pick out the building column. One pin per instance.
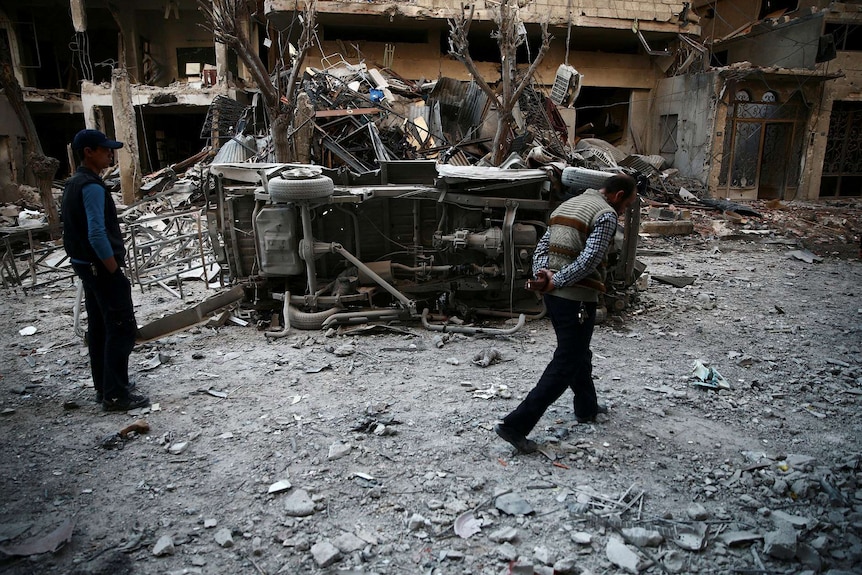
(126, 131)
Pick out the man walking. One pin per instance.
(569, 267)
(94, 243)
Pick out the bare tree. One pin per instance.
(512, 84)
(224, 19)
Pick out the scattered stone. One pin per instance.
(504, 534)
(348, 543)
(198, 561)
(809, 557)
(451, 555)
(257, 546)
(513, 504)
(210, 522)
(521, 568)
(224, 538)
(620, 555)
(582, 538)
(697, 512)
(674, 561)
(781, 543)
(643, 537)
(325, 553)
(566, 566)
(279, 486)
(164, 546)
(795, 520)
(543, 555)
(731, 538)
(507, 552)
(338, 450)
(178, 448)
(416, 522)
(298, 504)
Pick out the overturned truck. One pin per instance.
(418, 241)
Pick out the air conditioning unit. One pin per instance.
(567, 85)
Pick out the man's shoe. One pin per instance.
(126, 403)
(100, 397)
(517, 440)
(600, 409)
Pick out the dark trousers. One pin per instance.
(571, 366)
(111, 328)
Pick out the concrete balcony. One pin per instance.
(652, 15)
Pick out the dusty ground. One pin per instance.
(388, 442)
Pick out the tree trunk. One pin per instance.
(44, 169)
(280, 139)
(500, 149)
(42, 166)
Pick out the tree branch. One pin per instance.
(459, 48)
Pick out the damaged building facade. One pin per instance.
(773, 109)
(753, 99)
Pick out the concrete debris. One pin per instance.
(325, 553)
(348, 543)
(223, 537)
(781, 543)
(513, 504)
(504, 534)
(298, 504)
(164, 546)
(622, 556)
(338, 450)
(643, 537)
(697, 512)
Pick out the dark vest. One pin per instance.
(74, 216)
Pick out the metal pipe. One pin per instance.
(409, 304)
(471, 330)
(361, 316)
(307, 250)
(508, 314)
(286, 327)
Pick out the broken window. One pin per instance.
(669, 123)
(768, 7)
(847, 36)
(842, 163)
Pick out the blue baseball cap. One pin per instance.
(94, 139)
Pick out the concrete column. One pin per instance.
(221, 60)
(126, 131)
(243, 23)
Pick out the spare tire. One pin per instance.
(289, 190)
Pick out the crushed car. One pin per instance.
(447, 245)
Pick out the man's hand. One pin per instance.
(547, 277)
(543, 283)
(111, 264)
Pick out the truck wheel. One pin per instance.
(289, 190)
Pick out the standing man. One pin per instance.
(569, 267)
(94, 243)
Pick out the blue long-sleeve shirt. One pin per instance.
(588, 260)
(94, 206)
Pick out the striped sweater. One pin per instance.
(570, 225)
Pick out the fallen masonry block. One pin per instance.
(662, 228)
